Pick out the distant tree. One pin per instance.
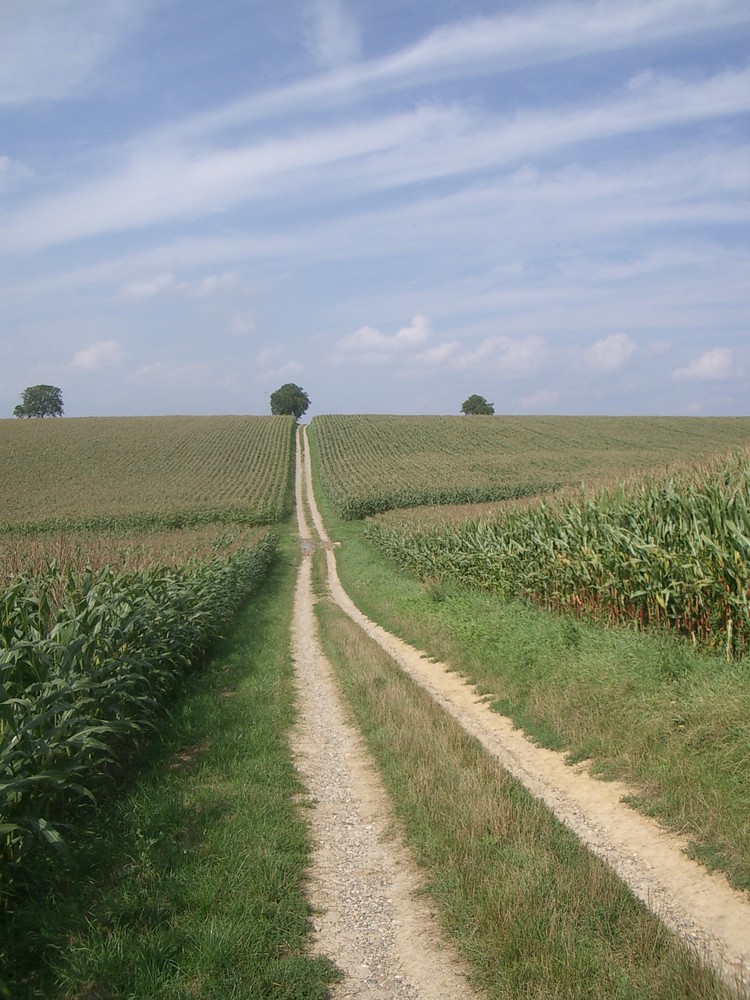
(477, 406)
(40, 401)
(289, 399)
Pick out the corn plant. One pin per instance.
(670, 552)
(87, 661)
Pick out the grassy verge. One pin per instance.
(190, 885)
(533, 912)
(648, 710)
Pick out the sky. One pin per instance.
(393, 204)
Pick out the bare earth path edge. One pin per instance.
(701, 907)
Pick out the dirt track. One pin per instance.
(380, 908)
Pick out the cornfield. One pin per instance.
(144, 472)
(87, 661)
(671, 552)
(370, 464)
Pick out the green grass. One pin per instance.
(190, 884)
(533, 912)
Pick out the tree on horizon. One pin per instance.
(40, 401)
(477, 406)
(289, 400)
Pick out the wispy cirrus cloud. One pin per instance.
(473, 47)
(165, 183)
(49, 51)
(212, 284)
(334, 38)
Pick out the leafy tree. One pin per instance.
(40, 401)
(477, 406)
(289, 399)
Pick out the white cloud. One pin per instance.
(149, 287)
(610, 354)
(711, 365)
(438, 355)
(102, 354)
(50, 50)
(166, 282)
(540, 400)
(480, 46)
(241, 326)
(192, 374)
(162, 181)
(216, 283)
(508, 355)
(12, 173)
(368, 339)
(335, 36)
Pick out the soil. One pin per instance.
(370, 916)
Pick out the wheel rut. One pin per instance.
(370, 916)
(700, 907)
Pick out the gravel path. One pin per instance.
(370, 918)
(701, 907)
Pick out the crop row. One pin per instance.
(22, 552)
(145, 472)
(369, 464)
(87, 661)
(671, 552)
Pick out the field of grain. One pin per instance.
(369, 464)
(140, 471)
(126, 546)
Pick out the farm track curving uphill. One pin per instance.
(700, 907)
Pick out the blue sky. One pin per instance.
(392, 203)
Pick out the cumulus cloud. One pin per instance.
(610, 354)
(369, 340)
(215, 283)
(241, 326)
(715, 364)
(437, 355)
(511, 355)
(102, 354)
(148, 288)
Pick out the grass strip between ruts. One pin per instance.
(190, 884)
(534, 912)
